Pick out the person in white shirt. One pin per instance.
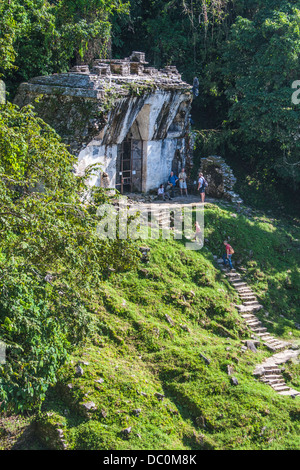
(182, 181)
(161, 193)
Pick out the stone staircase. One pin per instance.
(269, 371)
(161, 215)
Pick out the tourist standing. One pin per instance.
(202, 184)
(182, 181)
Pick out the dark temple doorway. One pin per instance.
(124, 167)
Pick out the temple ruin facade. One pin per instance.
(127, 117)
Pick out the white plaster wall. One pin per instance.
(147, 117)
(95, 153)
(160, 154)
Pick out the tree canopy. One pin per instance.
(39, 37)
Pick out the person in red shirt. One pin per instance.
(229, 253)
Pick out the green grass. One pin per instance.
(154, 363)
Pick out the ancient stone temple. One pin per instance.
(130, 118)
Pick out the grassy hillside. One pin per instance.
(154, 374)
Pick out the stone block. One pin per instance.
(102, 70)
(80, 69)
(137, 57)
(120, 68)
(150, 71)
(136, 68)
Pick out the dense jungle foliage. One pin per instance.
(51, 258)
(55, 284)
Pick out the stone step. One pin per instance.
(248, 315)
(248, 297)
(281, 345)
(238, 284)
(243, 294)
(274, 345)
(249, 308)
(251, 302)
(274, 341)
(277, 380)
(274, 348)
(264, 335)
(259, 329)
(275, 376)
(244, 290)
(276, 384)
(280, 388)
(272, 370)
(272, 374)
(268, 378)
(253, 307)
(253, 323)
(290, 392)
(253, 319)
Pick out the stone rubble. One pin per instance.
(220, 179)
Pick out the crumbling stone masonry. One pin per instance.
(220, 179)
(131, 119)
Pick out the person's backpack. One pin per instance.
(231, 250)
(205, 183)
